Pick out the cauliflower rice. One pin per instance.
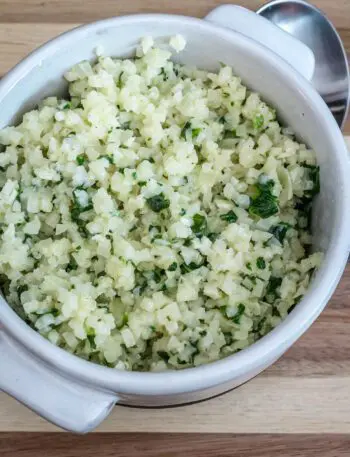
(158, 218)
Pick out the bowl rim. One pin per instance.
(265, 350)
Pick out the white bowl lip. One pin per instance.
(267, 348)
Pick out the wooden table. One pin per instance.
(298, 407)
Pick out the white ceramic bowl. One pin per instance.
(76, 394)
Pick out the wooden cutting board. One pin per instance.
(298, 407)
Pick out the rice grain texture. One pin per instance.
(158, 218)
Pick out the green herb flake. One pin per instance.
(272, 288)
(109, 158)
(186, 128)
(229, 217)
(213, 236)
(158, 203)
(80, 159)
(77, 209)
(182, 212)
(229, 134)
(258, 326)
(187, 267)
(279, 231)
(258, 121)
(67, 106)
(125, 126)
(199, 225)
(72, 265)
(163, 355)
(91, 339)
(260, 263)
(142, 183)
(22, 289)
(125, 319)
(119, 83)
(181, 362)
(164, 74)
(172, 267)
(264, 203)
(314, 176)
(134, 175)
(196, 132)
(54, 311)
(155, 227)
(240, 311)
(158, 275)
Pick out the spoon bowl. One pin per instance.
(308, 24)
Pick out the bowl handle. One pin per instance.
(72, 406)
(258, 28)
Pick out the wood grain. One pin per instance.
(264, 405)
(174, 445)
(91, 10)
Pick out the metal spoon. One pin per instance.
(311, 26)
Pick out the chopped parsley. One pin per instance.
(172, 267)
(260, 263)
(76, 210)
(163, 355)
(21, 289)
(213, 236)
(119, 83)
(163, 73)
(80, 159)
(229, 217)
(199, 225)
(314, 176)
(264, 203)
(158, 275)
(196, 132)
(109, 158)
(72, 265)
(272, 288)
(229, 134)
(187, 129)
(240, 311)
(279, 231)
(91, 339)
(258, 121)
(158, 202)
(187, 267)
(123, 321)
